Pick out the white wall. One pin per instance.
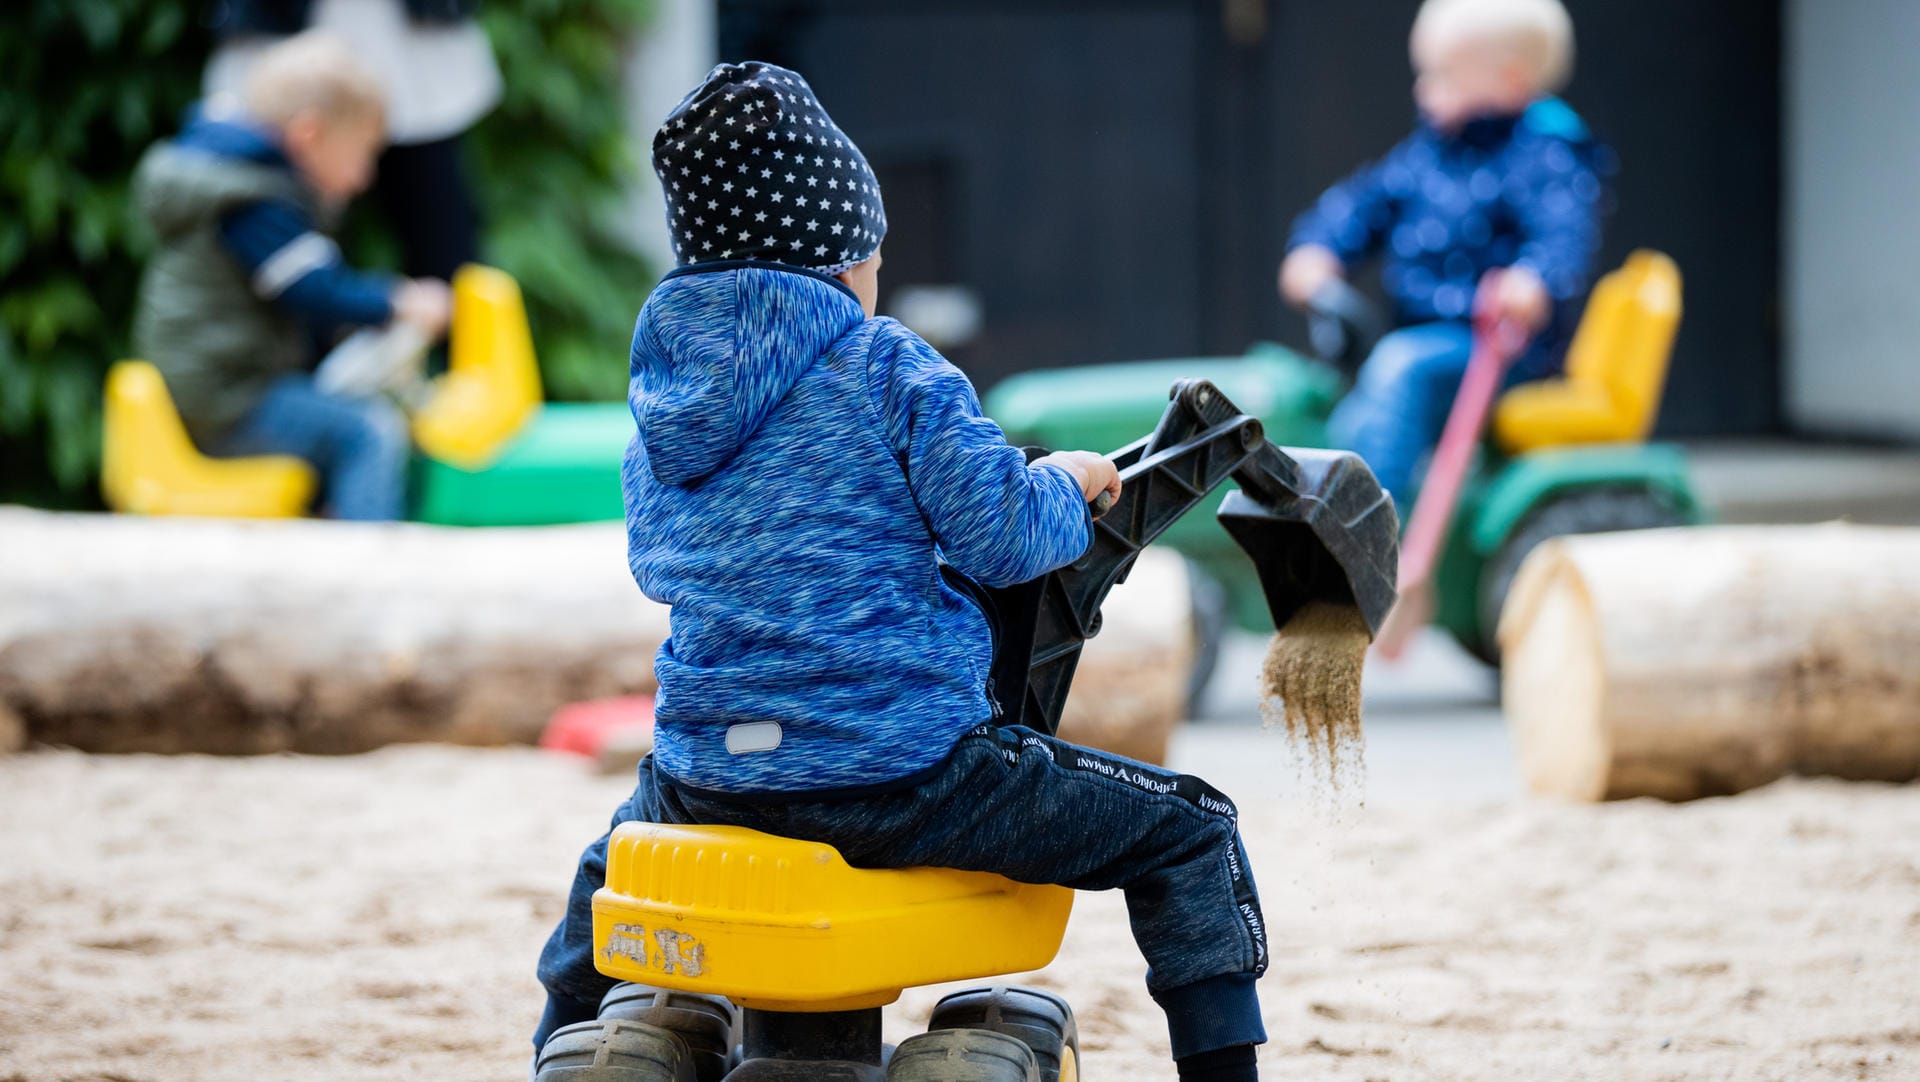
(1851, 202)
(675, 52)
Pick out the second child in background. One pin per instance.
(437, 69)
(245, 281)
(1498, 177)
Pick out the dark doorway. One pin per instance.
(1114, 180)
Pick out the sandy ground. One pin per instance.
(377, 917)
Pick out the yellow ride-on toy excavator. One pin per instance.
(754, 958)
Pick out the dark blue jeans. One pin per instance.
(1029, 807)
(360, 446)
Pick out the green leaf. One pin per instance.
(163, 28)
(53, 309)
(16, 388)
(92, 228)
(13, 244)
(130, 116)
(98, 20)
(586, 370)
(39, 193)
(72, 395)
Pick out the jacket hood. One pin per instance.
(716, 348)
(209, 167)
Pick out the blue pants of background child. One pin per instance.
(1027, 806)
(1399, 403)
(360, 446)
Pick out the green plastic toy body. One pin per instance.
(563, 466)
(1624, 486)
(492, 453)
(1507, 501)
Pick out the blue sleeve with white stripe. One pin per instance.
(300, 269)
(996, 519)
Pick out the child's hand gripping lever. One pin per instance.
(1098, 478)
(1316, 524)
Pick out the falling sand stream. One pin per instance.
(1310, 686)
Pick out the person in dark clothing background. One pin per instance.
(440, 79)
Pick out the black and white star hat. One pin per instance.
(754, 168)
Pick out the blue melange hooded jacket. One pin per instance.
(796, 466)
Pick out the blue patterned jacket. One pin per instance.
(1524, 190)
(795, 469)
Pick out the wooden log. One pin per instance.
(202, 635)
(13, 731)
(174, 634)
(1130, 687)
(1697, 662)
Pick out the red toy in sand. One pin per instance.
(614, 732)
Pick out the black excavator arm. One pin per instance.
(1316, 524)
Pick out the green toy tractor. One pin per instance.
(1563, 456)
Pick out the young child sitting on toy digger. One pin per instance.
(800, 469)
(1498, 177)
(244, 282)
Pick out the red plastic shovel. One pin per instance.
(1496, 343)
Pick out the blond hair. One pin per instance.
(312, 72)
(1537, 33)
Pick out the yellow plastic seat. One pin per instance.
(150, 467)
(492, 383)
(779, 924)
(1616, 366)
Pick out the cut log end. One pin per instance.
(1552, 686)
(1688, 663)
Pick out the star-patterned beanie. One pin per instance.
(754, 168)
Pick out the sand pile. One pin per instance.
(1310, 685)
(374, 918)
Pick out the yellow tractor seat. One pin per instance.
(1616, 366)
(784, 925)
(492, 383)
(150, 467)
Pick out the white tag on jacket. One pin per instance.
(753, 736)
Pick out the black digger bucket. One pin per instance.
(1316, 524)
(1337, 541)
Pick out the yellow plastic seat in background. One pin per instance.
(1616, 366)
(786, 925)
(492, 383)
(150, 467)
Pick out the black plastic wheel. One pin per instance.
(1040, 1020)
(614, 1050)
(1597, 510)
(709, 1024)
(962, 1055)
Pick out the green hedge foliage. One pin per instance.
(91, 83)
